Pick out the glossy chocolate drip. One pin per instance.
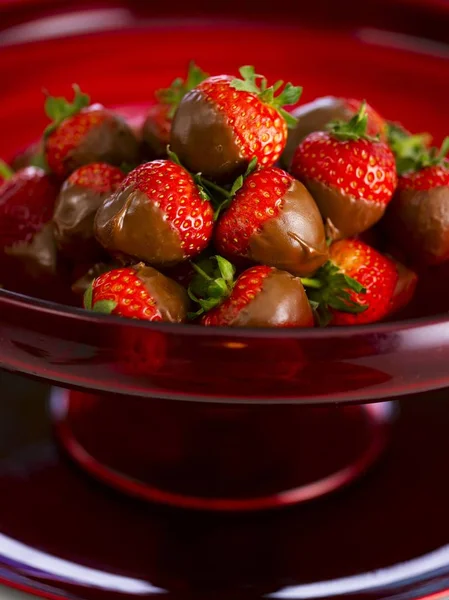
(294, 240)
(171, 298)
(345, 216)
(129, 225)
(38, 257)
(282, 302)
(314, 116)
(204, 142)
(111, 141)
(74, 222)
(418, 221)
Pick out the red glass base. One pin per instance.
(219, 457)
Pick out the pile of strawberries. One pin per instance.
(225, 209)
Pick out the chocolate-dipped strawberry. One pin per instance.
(358, 285)
(273, 220)
(320, 113)
(222, 124)
(158, 215)
(27, 246)
(417, 219)
(138, 292)
(81, 133)
(157, 126)
(80, 197)
(351, 176)
(261, 296)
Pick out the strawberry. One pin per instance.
(27, 247)
(261, 296)
(157, 215)
(137, 292)
(157, 126)
(81, 133)
(273, 220)
(357, 286)
(351, 176)
(405, 287)
(80, 197)
(418, 218)
(222, 124)
(320, 113)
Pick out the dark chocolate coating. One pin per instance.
(204, 142)
(171, 298)
(345, 216)
(73, 221)
(314, 116)
(129, 225)
(295, 240)
(112, 142)
(38, 257)
(282, 302)
(418, 221)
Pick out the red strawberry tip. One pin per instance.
(179, 87)
(5, 170)
(354, 129)
(212, 284)
(288, 96)
(58, 108)
(330, 289)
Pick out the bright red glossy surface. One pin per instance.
(62, 535)
(123, 65)
(220, 458)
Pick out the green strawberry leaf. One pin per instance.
(58, 109)
(354, 129)
(227, 269)
(408, 149)
(330, 289)
(173, 95)
(5, 170)
(212, 283)
(173, 156)
(238, 183)
(256, 84)
(104, 306)
(87, 301)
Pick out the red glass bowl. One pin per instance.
(392, 53)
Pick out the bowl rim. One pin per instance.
(47, 307)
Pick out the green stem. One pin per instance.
(216, 188)
(5, 170)
(311, 283)
(200, 271)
